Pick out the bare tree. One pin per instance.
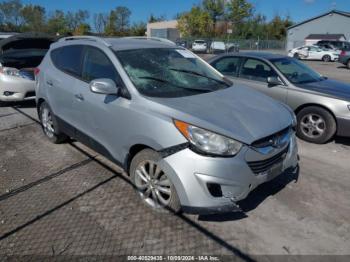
(100, 22)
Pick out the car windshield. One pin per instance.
(296, 72)
(169, 72)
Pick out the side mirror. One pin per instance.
(274, 81)
(104, 86)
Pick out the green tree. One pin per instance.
(238, 13)
(118, 22)
(152, 18)
(10, 14)
(196, 22)
(82, 29)
(277, 27)
(57, 24)
(138, 29)
(215, 8)
(33, 18)
(75, 19)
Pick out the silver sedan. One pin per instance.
(322, 105)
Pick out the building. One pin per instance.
(328, 25)
(314, 38)
(163, 29)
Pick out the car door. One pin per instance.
(100, 117)
(254, 73)
(315, 53)
(61, 79)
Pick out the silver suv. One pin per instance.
(189, 139)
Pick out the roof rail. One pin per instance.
(159, 39)
(85, 37)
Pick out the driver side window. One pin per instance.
(257, 70)
(97, 65)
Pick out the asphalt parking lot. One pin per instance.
(67, 200)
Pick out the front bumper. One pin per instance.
(18, 88)
(191, 174)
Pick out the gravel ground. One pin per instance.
(67, 200)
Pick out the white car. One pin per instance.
(199, 46)
(313, 53)
(217, 47)
(19, 56)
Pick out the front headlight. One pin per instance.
(9, 71)
(208, 142)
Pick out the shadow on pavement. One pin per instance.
(256, 197)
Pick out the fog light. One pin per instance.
(8, 93)
(214, 189)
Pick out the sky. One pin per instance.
(298, 10)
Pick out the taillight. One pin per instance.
(36, 71)
(342, 52)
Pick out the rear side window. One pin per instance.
(228, 65)
(97, 65)
(256, 70)
(68, 59)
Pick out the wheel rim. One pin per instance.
(313, 125)
(46, 120)
(152, 184)
(326, 58)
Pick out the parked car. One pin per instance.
(20, 54)
(182, 43)
(187, 137)
(322, 105)
(232, 47)
(199, 46)
(344, 57)
(313, 53)
(217, 47)
(336, 44)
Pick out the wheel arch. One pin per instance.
(38, 104)
(134, 149)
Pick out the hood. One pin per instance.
(237, 112)
(329, 87)
(26, 41)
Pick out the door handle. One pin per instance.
(49, 82)
(79, 97)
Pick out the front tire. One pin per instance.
(296, 56)
(326, 58)
(49, 125)
(315, 125)
(152, 183)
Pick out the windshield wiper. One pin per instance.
(182, 87)
(199, 74)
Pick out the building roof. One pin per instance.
(347, 14)
(324, 36)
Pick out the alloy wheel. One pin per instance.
(313, 125)
(47, 122)
(152, 184)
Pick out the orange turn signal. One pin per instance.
(182, 127)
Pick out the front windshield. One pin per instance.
(169, 72)
(296, 72)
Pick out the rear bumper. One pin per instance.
(18, 88)
(343, 127)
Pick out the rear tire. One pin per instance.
(49, 125)
(152, 183)
(348, 64)
(316, 125)
(326, 58)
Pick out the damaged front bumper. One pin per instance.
(207, 185)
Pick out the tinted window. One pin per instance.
(68, 59)
(257, 70)
(97, 65)
(228, 65)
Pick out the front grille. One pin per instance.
(268, 141)
(30, 94)
(264, 165)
